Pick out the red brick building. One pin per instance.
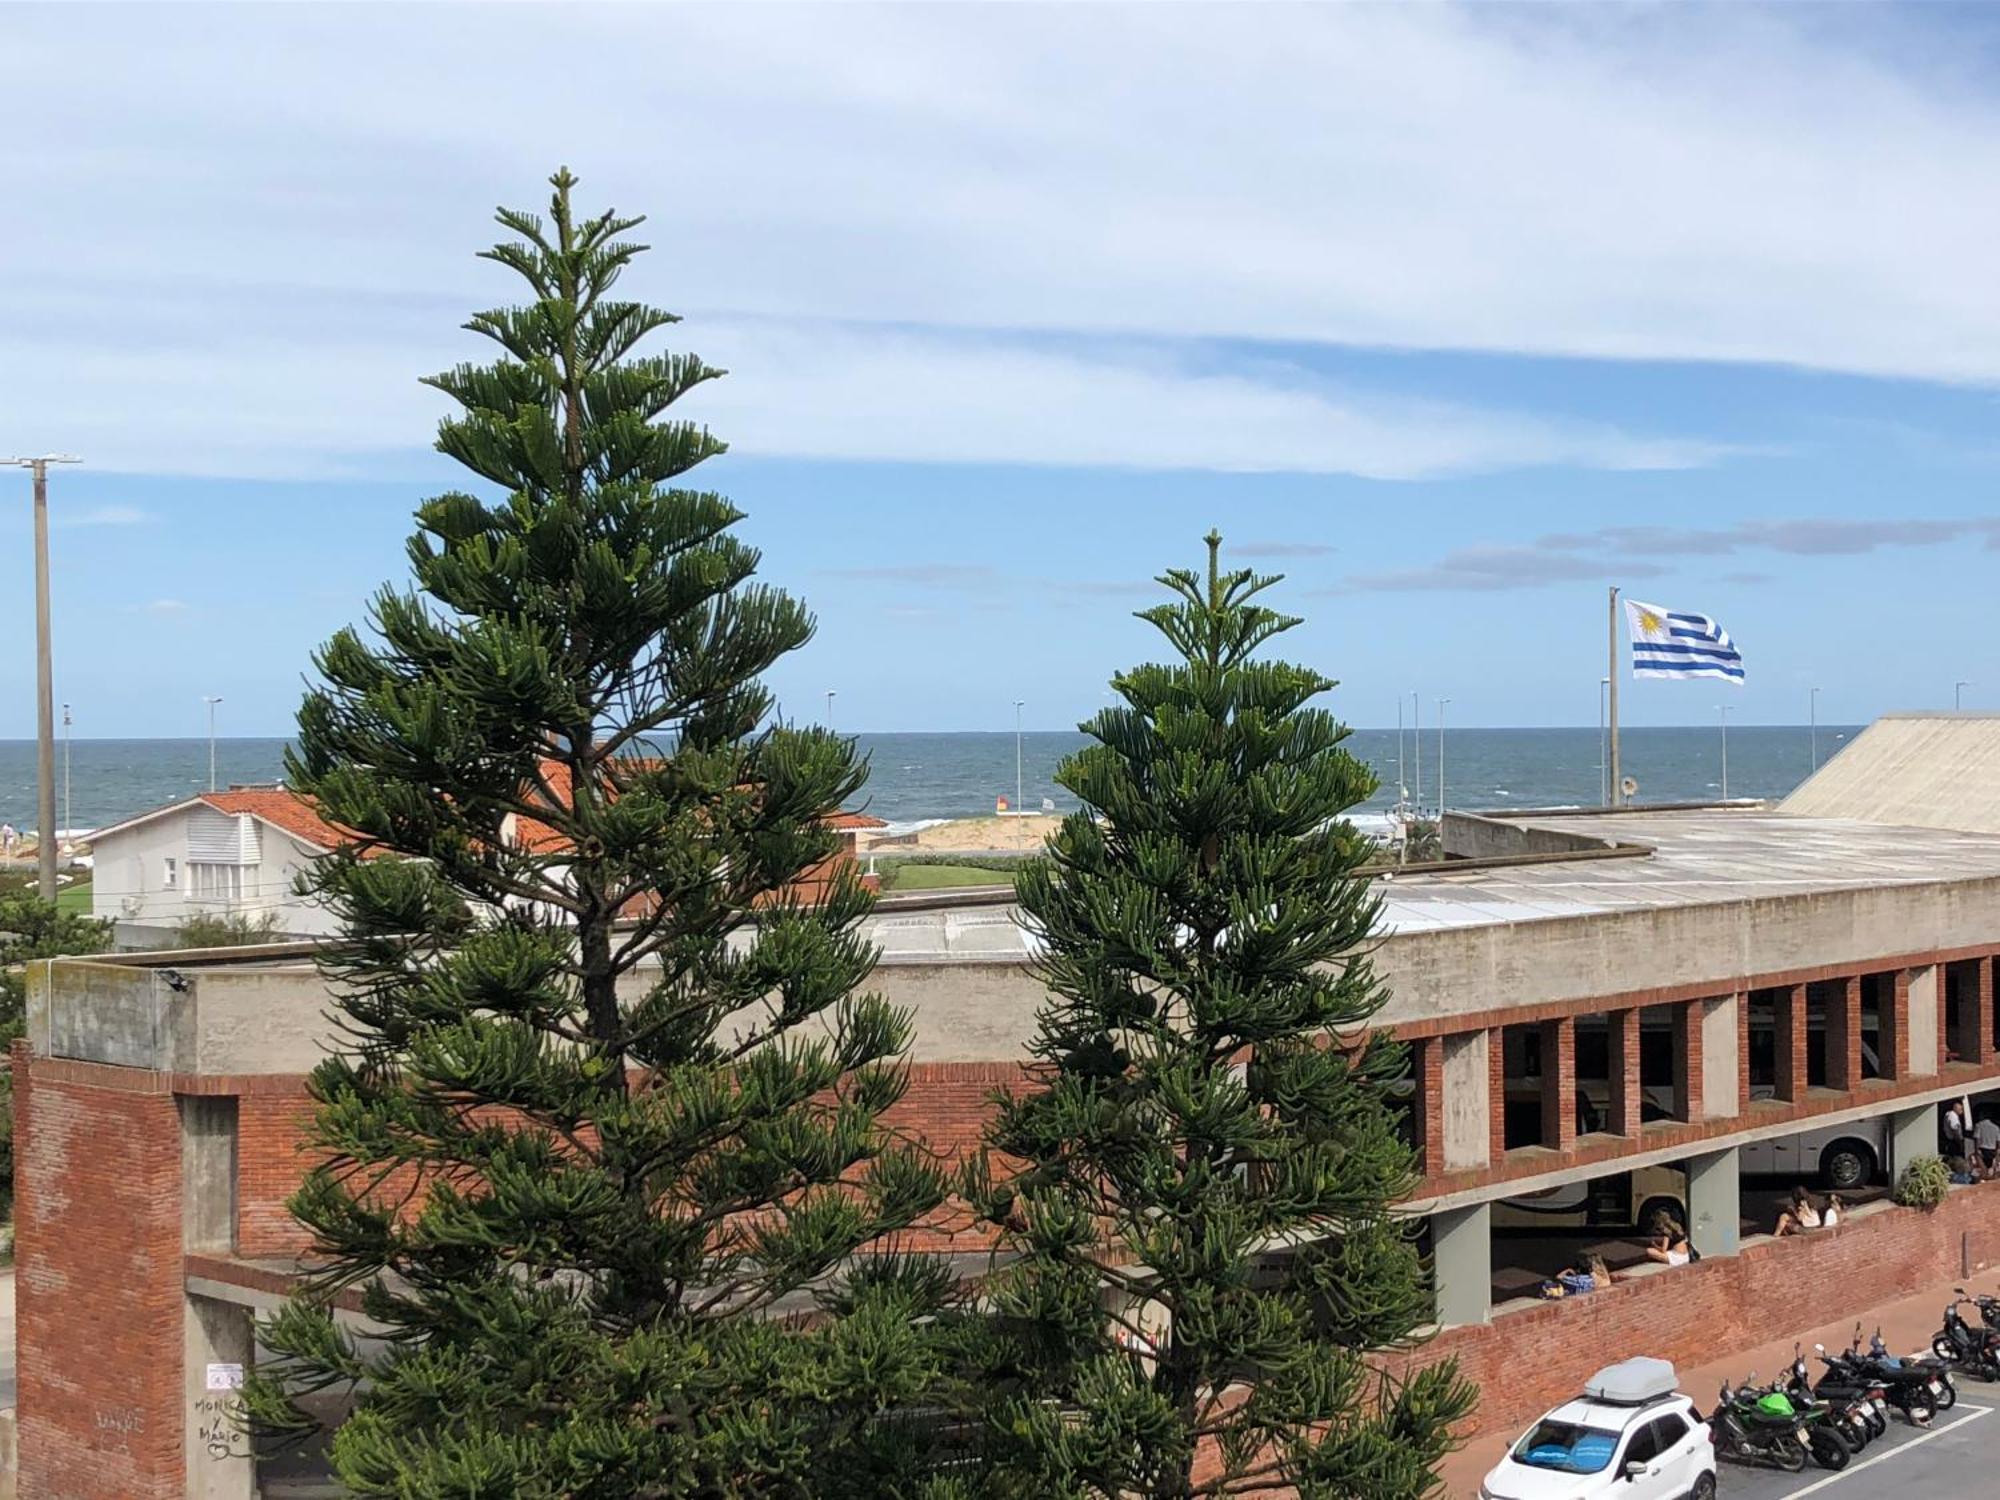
(1589, 999)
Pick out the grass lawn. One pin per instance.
(899, 877)
(74, 897)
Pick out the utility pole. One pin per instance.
(829, 709)
(1417, 739)
(45, 691)
(1958, 695)
(1812, 716)
(211, 702)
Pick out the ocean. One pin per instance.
(918, 777)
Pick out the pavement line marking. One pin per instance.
(1972, 1414)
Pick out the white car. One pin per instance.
(1630, 1436)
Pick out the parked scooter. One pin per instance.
(1974, 1350)
(1749, 1428)
(1827, 1439)
(1855, 1407)
(1917, 1387)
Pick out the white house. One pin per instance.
(233, 853)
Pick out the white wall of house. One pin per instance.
(151, 877)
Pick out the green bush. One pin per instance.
(1923, 1183)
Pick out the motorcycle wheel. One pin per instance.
(1830, 1450)
(1943, 1348)
(1789, 1454)
(1877, 1423)
(1949, 1399)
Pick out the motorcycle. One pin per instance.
(1974, 1350)
(1852, 1405)
(1748, 1428)
(1827, 1438)
(1918, 1388)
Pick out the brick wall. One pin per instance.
(1527, 1360)
(271, 1161)
(98, 1278)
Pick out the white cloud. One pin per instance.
(163, 607)
(253, 226)
(106, 515)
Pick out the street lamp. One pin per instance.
(211, 702)
(1723, 709)
(69, 824)
(45, 692)
(1441, 703)
(829, 709)
(1017, 753)
(1958, 694)
(1812, 713)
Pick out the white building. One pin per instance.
(233, 853)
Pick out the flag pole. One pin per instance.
(1617, 787)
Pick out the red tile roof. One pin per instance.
(284, 808)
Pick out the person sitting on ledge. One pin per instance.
(1670, 1245)
(1801, 1216)
(1835, 1211)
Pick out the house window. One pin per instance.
(210, 882)
(170, 874)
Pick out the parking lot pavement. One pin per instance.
(1906, 1326)
(1954, 1457)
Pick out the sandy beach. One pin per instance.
(987, 835)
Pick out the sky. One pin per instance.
(1454, 316)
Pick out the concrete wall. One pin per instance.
(1471, 836)
(1433, 975)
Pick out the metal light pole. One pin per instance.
(1812, 713)
(1958, 694)
(829, 708)
(69, 822)
(1441, 703)
(1417, 740)
(1402, 771)
(45, 692)
(1723, 709)
(1603, 746)
(211, 702)
(1017, 753)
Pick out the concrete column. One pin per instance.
(1715, 1202)
(1743, 1053)
(1843, 1034)
(1723, 1056)
(208, 1172)
(1982, 1046)
(1789, 1015)
(1624, 1038)
(1466, 1103)
(1688, 1079)
(1462, 1254)
(1922, 992)
(1912, 1133)
(1559, 1083)
(218, 1351)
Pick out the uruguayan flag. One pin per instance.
(1667, 643)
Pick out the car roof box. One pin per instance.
(1632, 1382)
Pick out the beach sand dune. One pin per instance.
(988, 835)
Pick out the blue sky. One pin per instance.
(1455, 316)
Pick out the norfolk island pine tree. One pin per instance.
(603, 1148)
(1205, 1091)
